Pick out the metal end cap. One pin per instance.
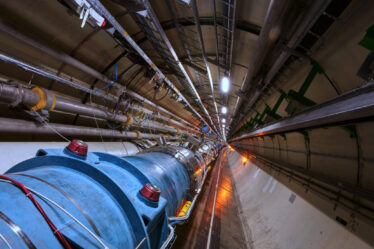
(78, 147)
(151, 192)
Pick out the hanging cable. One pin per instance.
(97, 125)
(50, 127)
(55, 231)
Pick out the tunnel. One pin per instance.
(186, 124)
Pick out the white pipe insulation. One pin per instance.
(16, 152)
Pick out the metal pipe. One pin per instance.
(269, 34)
(354, 105)
(13, 153)
(163, 118)
(169, 238)
(31, 98)
(203, 53)
(8, 125)
(216, 35)
(99, 7)
(174, 54)
(310, 18)
(49, 74)
(67, 59)
(232, 34)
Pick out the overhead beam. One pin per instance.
(209, 21)
(346, 108)
(194, 66)
(196, 15)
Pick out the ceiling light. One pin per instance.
(224, 110)
(225, 85)
(223, 120)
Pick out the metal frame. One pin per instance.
(172, 57)
(202, 46)
(225, 49)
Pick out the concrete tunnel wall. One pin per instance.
(275, 216)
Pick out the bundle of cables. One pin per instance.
(55, 231)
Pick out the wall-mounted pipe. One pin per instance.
(269, 34)
(157, 116)
(308, 21)
(100, 8)
(67, 59)
(346, 108)
(47, 72)
(13, 153)
(8, 125)
(31, 98)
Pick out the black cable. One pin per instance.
(155, 93)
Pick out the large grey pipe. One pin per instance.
(8, 125)
(28, 97)
(269, 34)
(67, 59)
(314, 12)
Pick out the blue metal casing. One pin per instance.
(101, 191)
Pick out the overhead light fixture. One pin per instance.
(223, 120)
(225, 85)
(224, 110)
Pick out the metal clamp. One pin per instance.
(47, 100)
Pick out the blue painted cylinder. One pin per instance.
(102, 192)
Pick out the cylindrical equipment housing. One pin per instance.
(102, 191)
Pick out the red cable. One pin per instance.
(55, 231)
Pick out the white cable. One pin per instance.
(97, 125)
(65, 211)
(50, 127)
(6, 242)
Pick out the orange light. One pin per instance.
(231, 148)
(245, 159)
(198, 171)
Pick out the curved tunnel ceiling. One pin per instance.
(301, 74)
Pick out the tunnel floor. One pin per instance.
(227, 229)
